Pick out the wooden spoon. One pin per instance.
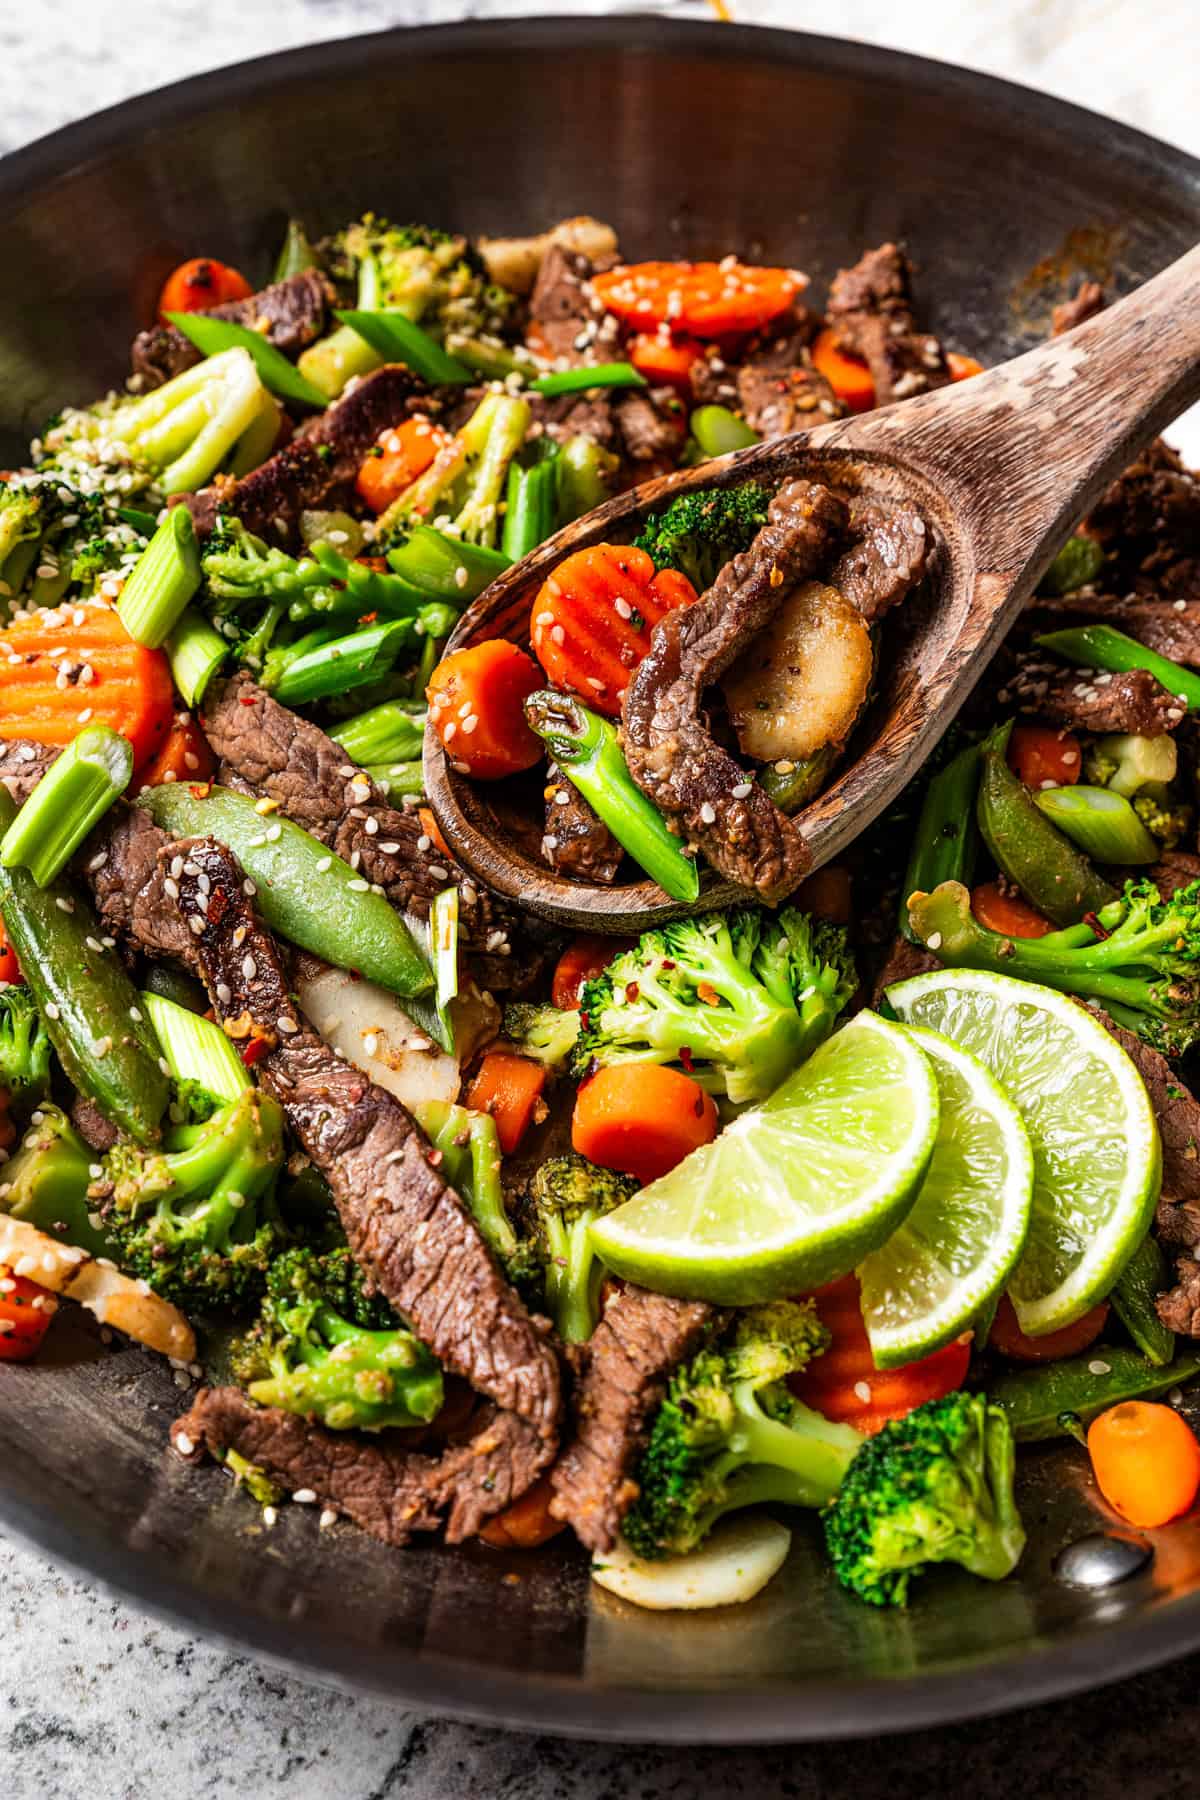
(1001, 466)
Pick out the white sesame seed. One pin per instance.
(249, 968)
(862, 1392)
(1097, 1367)
(196, 924)
(183, 1443)
(371, 827)
(708, 813)
(359, 886)
(285, 1025)
(304, 1496)
(324, 864)
(934, 940)
(742, 790)
(328, 1517)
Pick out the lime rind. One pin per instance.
(1097, 1156)
(965, 1233)
(793, 1192)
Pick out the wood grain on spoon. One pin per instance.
(1001, 467)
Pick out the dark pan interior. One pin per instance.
(691, 139)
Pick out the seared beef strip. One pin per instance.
(290, 314)
(640, 1340)
(569, 323)
(22, 766)
(887, 560)
(97, 1132)
(1149, 519)
(903, 959)
(576, 842)
(870, 309)
(1175, 869)
(672, 756)
(1084, 700)
(406, 1226)
(387, 1488)
(318, 467)
(1178, 1114)
(1172, 627)
(1179, 1309)
(778, 389)
(652, 423)
(1082, 306)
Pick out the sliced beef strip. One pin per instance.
(576, 842)
(292, 761)
(871, 311)
(569, 323)
(1178, 1114)
(22, 766)
(406, 1226)
(318, 467)
(1084, 700)
(903, 959)
(887, 559)
(290, 314)
(778, 389)
(1084, 305)
(385, 1487)
(640, 1339)
(1149, 519)
(702, 791)
(652, 423)
(1175, 869)
(1172, 627)
(97, 1132)
(1179, 1308)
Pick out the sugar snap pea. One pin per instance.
(1036, 1399)
(1144, 1276)
(1052, 874)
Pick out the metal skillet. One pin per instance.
(1000, 466)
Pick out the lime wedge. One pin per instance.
(796, 1191)
(1097, 1159)
(960, 1243)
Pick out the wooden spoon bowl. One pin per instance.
(1000, 467)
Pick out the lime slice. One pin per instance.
(796, 1191)
(960, 1243)
(1097, 1160)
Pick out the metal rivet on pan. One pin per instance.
(1101, 1560)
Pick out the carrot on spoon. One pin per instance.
(476, 700)
(593, 617)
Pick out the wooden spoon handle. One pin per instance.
(1024, 450)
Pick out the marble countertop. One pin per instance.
(99, 1699)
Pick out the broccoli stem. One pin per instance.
(346, 662)
(471, 1162)
(585, 477)
(478, 520)
(1104, 647)
(801, 1463)
(392, 732)
(586, 749)
(77, 790)
(336, 358)
(491, 357)
(717, 431)
(574, 1276)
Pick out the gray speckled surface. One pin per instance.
(97, 1698)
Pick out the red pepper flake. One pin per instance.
(200, 790)
(1093, 924)
(368, 618)
(631, 991)
(685, 1057)
(707, 993)
(247, 699)
(253, 1050)
(583, 1021)
(698, 1106)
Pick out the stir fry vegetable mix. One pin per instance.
(248, 526)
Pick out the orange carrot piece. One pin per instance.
(1007, 1337)
(703, 299)
(847, 375)
(641, 1119)
(1008, 914)
(59, 675)
(1038, 754)
(201, 283)
(585, 956)
(1146, 1461)
(393, 463)
(476, 699)
(185, 756)
(593, 617)
(844, 1383)
(25, 1314)
(433, 831)
(527, 1523)
(828, 893)
(508, 1087)
(10, 968)
(962, 367)
(665, 360)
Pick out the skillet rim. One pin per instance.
(771, 1713)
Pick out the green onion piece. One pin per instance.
(212, 336)
(593, 375)
(143, 522)
(295, 253)
(345, 663)
(717, 431)
(394, 780)
(397, 339)
(1079, 561)
(389, 733)
(438, 939)
(164, 579)
(488, 357)
(195, 652)
(1102, 823)
(1104, 647)
(76, 791)
(333, 360)
(195, 1049)
(531, 513)
(586, 749)
(444, 565)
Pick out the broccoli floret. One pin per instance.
(20, 516)
(730, 1434)
(48, 1182)
(541, 1031)
(198, 1221)
(60, 528)
(176, 437)
(737, 999)
(433, 277)
(1142, 964)
(566, 1196)
(1131, 764)
(324, 1348)
(1168, 821)
(24, 1049)
(699, 533)
(935, 1486)
(256, 1481)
